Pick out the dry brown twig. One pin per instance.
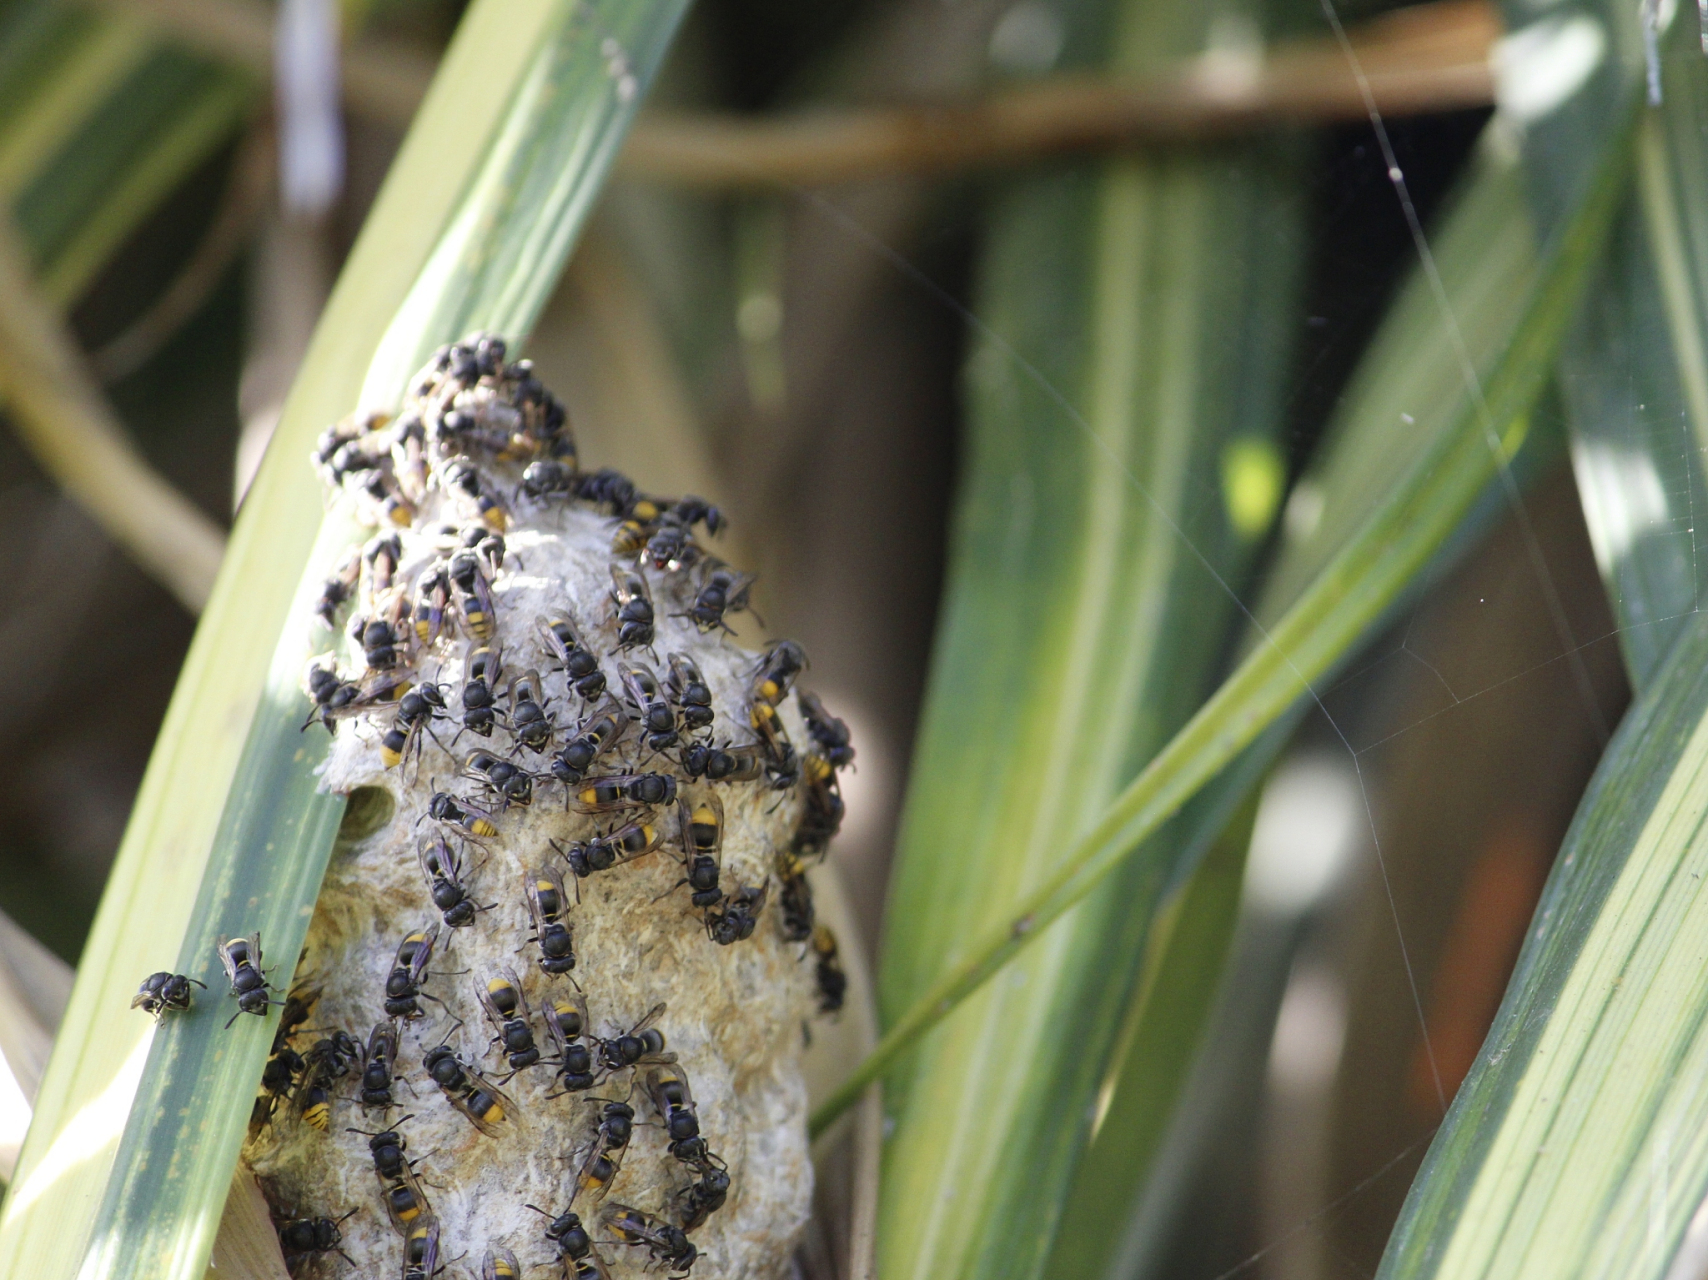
(1433, 57)
(1430, 57)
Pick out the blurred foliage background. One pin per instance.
(815, 336)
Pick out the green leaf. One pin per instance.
(500, 257)
(1351, 593)
(1635, 374)
(1156, 1043)
(1406, 396)
(1574, 1147)
(229, 834)
(1091, 597)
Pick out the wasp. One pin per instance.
(692, 511)
(474, 595)
(278, 1078)
(775, 674)
(421, 1252)
(379, 1066)
(161, 992)
(831, 980)
(510, 783)
(442, 870)
(328, 1060)
(822, 811)
(616, 1123)
(782, 766)
(578, 662)
(623, 791)
(735, 919)
(795, 900)
(634, 611)
(592, 1267)
(528, 719)
(284, 1064)
(630, 538)
(699, 1200)
(336, 697)
(669, 543)
(456, 813)
(403, 985)
(500, 1264)
(566, 1234)
(829, 734)
(665, 1241)
(406, 1206)
(332, 440)
(488, 547)
(748, 763)
(382, 634)
(432, 604)
(299, 1237)
(657, 717)
(548, 479)
(566, 1023)
(547, 906)
(481, 670)
(242, 961)
(409, 455)
(604, 1159)
(482, 1103)
(597, 735)
(641, 1043)
(601, 853)
(722, 590)
(381, 556)
(336, 590)
(463, 477)
(703, 760)
(415, 711)
(501, 996)
(388, 1149)
(382, 499)
(298, 1005)
(541, 409)
(667, 1086)
(690, 692)
(606, 488)
(702, 836)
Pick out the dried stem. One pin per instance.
(1433, 57)
(1430, 57)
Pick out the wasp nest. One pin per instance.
(551, 1012)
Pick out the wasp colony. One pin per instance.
(550, 1016)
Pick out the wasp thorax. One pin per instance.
(552, 1014)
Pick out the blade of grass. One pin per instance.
(1156, 1043)
(1088, 611)
(1407, 393)
(99, 55)
(1347, 597)
(1574, 1145)
(527, 199)
(1635, 377)
(145, 914)
(79, 213)
(542, 181)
